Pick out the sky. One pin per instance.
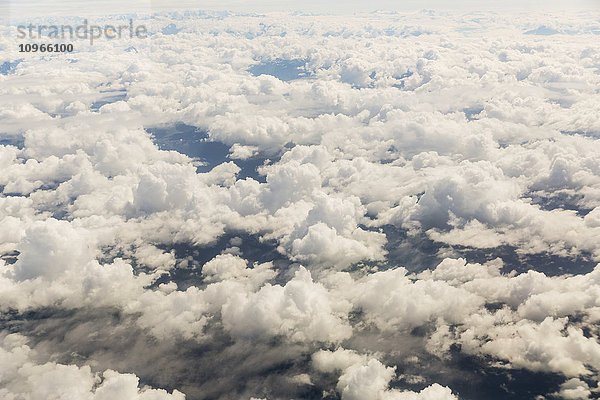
(78, 7)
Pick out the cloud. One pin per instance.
(24, 378)
(574, 389)
(364, 377)
(302, 310)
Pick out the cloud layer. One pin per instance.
(257, 196)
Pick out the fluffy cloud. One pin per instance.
(22, 377)
(363, 377)
(393, 301)
(574, 389)
(302, 310)
(57, 265)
